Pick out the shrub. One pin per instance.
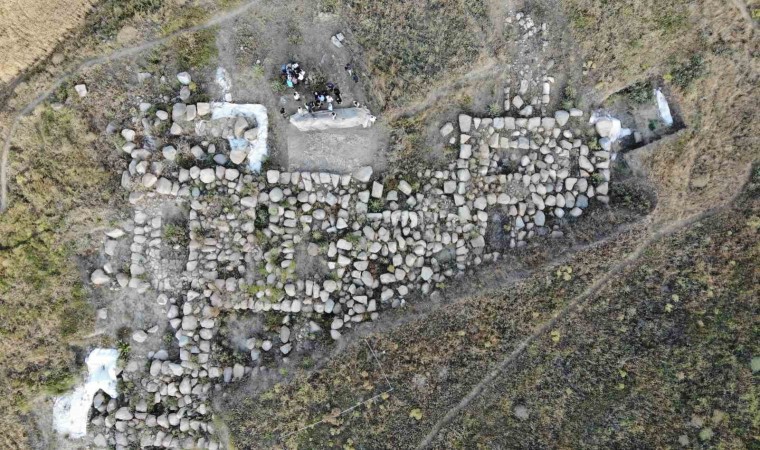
(641, 92)
(686, 73)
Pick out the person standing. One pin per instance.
(296, 96)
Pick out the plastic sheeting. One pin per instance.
(662, 105)
(257, 148)
(71, 412)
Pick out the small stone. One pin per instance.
(276, 194)
(237, 156)
(603, 127)
(562, 117)
(123, 413)
(273, 176)
(99, 278)
(116, 233)
(169, 152)
(164, 186)
(446, 129)
(405, 187)
(184, 93)
(184, 78)
(128, 135)
(465, 123)
(521, 412)
(81, 90)
(207, 176)
(363, 174)
(139, 336)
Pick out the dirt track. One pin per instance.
(576, 304)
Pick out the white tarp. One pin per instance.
(257, 148)
(323, 120)
(662, 105)
(71, 411)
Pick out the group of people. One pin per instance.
(292, 74)
(322, 98)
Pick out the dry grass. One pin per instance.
(702, 51)
(410, 45)
(32, 28)
(58, 183)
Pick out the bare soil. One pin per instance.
(336, 151)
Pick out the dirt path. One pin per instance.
(576, 304)
(117, 54)
(746, 14)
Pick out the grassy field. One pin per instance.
(410, 45)
(57, 188)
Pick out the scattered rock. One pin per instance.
(99, 278)
(139, 336)
(81, 89)
(184, 78)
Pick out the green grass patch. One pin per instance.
(195, 50)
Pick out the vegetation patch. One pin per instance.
(58, 179)
(412, 44)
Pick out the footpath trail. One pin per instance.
(576, 304)
(116, 54)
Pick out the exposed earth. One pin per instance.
(470, 224)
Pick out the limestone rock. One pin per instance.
(184, 78)
(81, 90)
(363, 174)
(465, 123)
(99, 277)
(446, 129)
(561, 117)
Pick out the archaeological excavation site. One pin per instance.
(378, 224)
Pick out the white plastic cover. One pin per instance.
(662, 105)
(257, 149)
(71, 411)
